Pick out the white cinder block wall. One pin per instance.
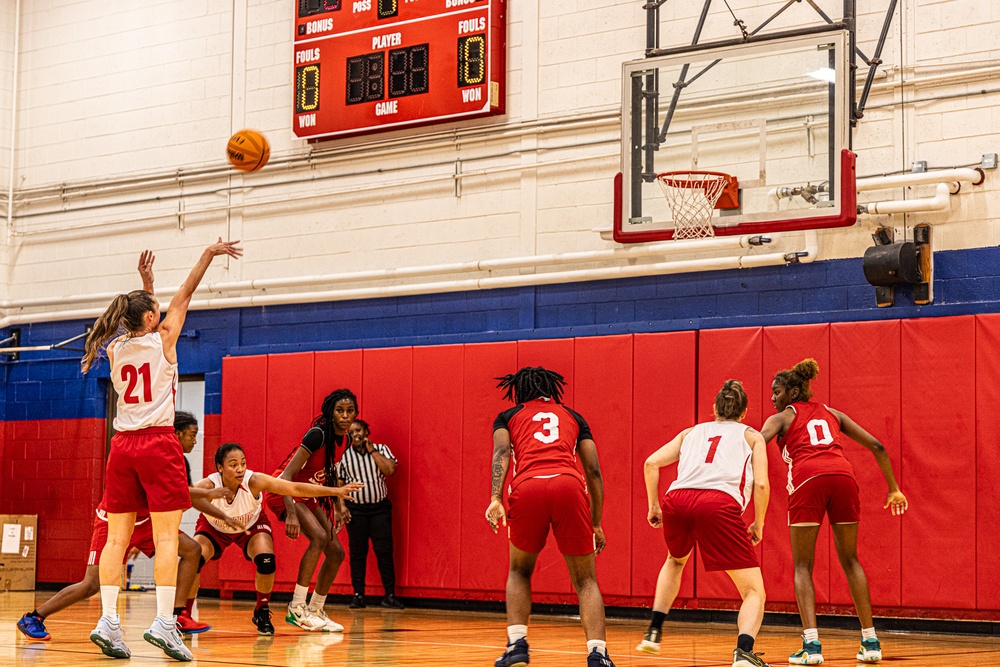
(123, 113)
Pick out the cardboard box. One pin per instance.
(18, 544)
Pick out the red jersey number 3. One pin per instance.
(130, 374)
(550, 427)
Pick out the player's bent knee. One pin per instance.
(265, 563)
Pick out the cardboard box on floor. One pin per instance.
(18, 542)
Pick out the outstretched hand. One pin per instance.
(221, 247)
(346, 490)
(146, 260)
(896, 503)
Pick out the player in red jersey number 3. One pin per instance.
(542, 438)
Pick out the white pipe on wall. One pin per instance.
(13, 122)
(556, 277)
(962, 175)
(555, 259)
(941, 201)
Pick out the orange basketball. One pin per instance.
(248, 150)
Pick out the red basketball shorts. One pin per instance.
(142, 539)
(222, 540)
(835, 496)
(559, 501)
(146, 470)
(713, 520)
(276, 504)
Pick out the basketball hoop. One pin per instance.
(691, 196)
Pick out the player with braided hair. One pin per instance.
(543, 438)
(314, 461)
(821, 483)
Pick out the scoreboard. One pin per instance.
(365, 66)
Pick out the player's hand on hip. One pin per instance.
(292, 525)
(655, 517)
(896, 503)
(756, 532)
(600, 541)
(496, 514)
(221, 247)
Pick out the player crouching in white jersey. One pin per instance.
(720, 462)
(215, 536)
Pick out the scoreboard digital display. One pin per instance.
(370, 65)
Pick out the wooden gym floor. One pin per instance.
(375, 636)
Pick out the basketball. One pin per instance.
(248, 150)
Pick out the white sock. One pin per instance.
(165, 601)
(810, 635)
(109, 601)
(515, 632)
(599, 644)
(299, 596)
(316, 602)
(868, 633)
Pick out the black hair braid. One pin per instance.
(325, 423)
(532, 382)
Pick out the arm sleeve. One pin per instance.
(504, 417)
(585, 433)
(313, 439)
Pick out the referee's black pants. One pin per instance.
(371, 522)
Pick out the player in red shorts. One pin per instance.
(246, 488)
(314, 461)
(145, 467)
(543, 438)
(821, 483)
(720, 463)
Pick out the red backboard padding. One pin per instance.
(663, 399)
(987, 460)
(435, 468)
(483, 556)
(783, 348)
(864, 376)
(725, 354)
(939, 462)
(603, 374)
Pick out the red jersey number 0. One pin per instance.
(131, 375)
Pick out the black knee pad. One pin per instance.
(265, 563)
(201, 563)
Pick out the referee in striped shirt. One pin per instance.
(370, 512)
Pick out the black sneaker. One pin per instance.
(357, 602)
(390, 602)
(516, 655)
(650, 642)
(598, 659)
(262, 619)
(743, 658)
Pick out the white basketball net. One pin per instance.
(691, 197)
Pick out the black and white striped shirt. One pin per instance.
(361, 467)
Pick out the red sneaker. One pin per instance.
(188, 626)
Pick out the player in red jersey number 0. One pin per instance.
(542, 438)
(821, 483)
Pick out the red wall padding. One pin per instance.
(663, 397)
(783, 347)
(725, 354)
(864, 380)
(987, 461)
(939, 460)
(907, 382)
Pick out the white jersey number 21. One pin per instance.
(551, 427)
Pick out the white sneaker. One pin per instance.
(301, 617)
(164, 635)
(109, 637)
(329, 625)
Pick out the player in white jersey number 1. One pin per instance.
(256, 541)
(720, 463)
